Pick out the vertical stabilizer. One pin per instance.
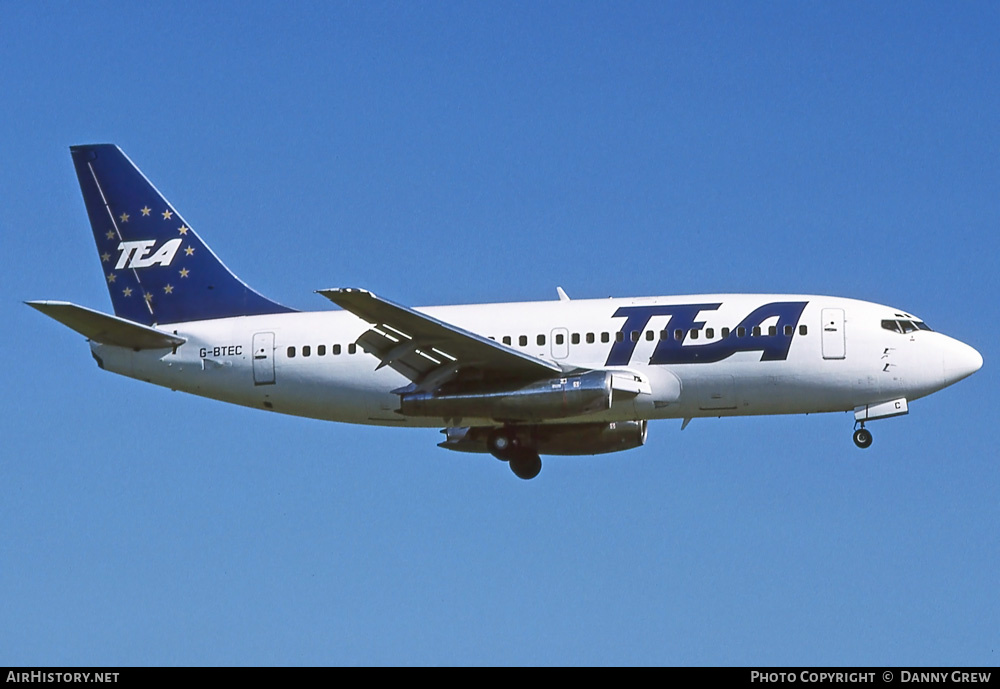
(156, 268)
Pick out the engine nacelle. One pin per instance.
(556, 439)
(557, 398)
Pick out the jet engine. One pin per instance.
(554, 439)
(556, 398)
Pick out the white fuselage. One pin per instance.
(683, 360)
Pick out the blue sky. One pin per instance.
(461, 152)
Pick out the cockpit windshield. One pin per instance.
(904, 325)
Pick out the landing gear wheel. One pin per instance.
(502, 444)
(525, 464)
(863, 438)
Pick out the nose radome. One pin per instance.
(961, 361)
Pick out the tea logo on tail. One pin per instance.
(136, 254)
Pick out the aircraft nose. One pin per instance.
(961, 361)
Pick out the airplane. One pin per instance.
(515, 380)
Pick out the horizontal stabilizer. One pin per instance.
(110, 330)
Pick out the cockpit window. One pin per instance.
(905, 326)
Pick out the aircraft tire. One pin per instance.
(863, 438)
(526, 464)
(502, 444)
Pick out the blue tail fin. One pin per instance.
(157, 269)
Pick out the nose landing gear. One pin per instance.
(870, 412)
(862, 437)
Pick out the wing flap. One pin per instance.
(110, 330)
(402, 356)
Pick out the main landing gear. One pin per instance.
(523, 460)
(862, 437)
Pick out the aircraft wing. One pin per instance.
(429, 351)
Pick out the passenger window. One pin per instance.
(590, 338)
(678, 334)
(709, 333)
(725, 333)
(306, 350)
(664, 334)
(336, 349)
(506, 339)
(352, 348)
(650, 335)
(741, 331)
(540, 339)
(619, 336)
(789, 330)
(803, 330)
(559, 339)
(605, 337)
(756, 331)
(574, 338)
(320, 350)
(522, 340)
(291, 352)
(772, 330)
(634, 336)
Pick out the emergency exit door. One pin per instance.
(560, 343)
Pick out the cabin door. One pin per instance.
(263, 359)
(834, 346)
